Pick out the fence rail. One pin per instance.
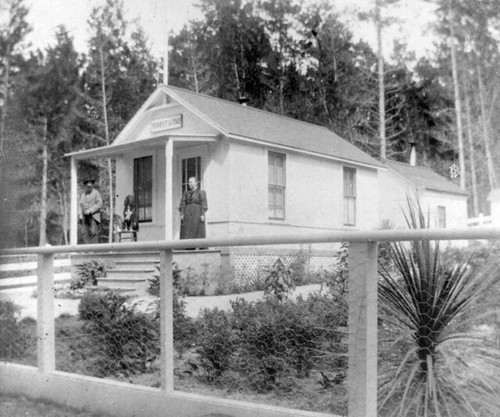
(362, 316)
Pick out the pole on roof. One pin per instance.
(165, 52)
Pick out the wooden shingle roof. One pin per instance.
(235, 120)
(424, 177)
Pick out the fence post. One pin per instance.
(166, 321)
(46, 357)
(362, 324)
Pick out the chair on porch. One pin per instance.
(126, 228)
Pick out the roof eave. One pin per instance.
(300, 150)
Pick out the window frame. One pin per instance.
(441, 217)
(275, 185)
(349, 196)
(143, 191)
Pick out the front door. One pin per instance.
(189, 163)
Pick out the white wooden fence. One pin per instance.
(121, 399)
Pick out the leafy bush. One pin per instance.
(87, 274)
(269, 342)
(125, 341)
(154, 281)
(13, 339)
(279, 282)
(215, 343)
(338, 280)
(185, 330)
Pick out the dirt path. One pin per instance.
(28, 305)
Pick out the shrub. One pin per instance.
(278, 283)
(429, 305)
(270, 342)
(215, 343)
(14, 340)
(154, 281)
(125, 341)
(185, 329)
(338, 280)
(87, 274)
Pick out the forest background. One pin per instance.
(285, 56)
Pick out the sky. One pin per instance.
(413, 17)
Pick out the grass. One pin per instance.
(21, 406)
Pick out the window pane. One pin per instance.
(441, 216)
(143, 187)
(276, 182)
(349, 211)
(272, 211)
(191, 167)
(271, 169)
(279, 203)
(349, 182)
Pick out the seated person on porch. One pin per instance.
(192, 208)
(129, 225)
(129, 218)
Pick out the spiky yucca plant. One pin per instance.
(433, 360)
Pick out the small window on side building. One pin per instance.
(441, 221)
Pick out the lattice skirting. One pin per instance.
(248, 267)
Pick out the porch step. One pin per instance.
(137, 264)
(137, 285)
(130, 274)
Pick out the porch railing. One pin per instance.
(362, 316)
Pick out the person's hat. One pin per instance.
(87, 180)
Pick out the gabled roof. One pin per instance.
(424, 177)
(235, 120)
(243, 123)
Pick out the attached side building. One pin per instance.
(442, 200)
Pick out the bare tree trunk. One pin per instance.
(106, 132)
(64, 212)
(43, 205)
(475, 201)
(195, 74)
(381, 85)
(458, 106)
(3, 110)
(484, 124)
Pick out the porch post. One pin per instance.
(169, 162)
(73, 227)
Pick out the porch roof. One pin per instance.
(116, 150)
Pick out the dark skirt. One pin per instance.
(192, 227)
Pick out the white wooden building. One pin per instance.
(443, 201)
(263, 173)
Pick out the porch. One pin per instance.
(155, 171)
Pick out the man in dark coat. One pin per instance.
(90, 212)
(193, 207)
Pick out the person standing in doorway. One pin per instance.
(90, 212)
(192, 208)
